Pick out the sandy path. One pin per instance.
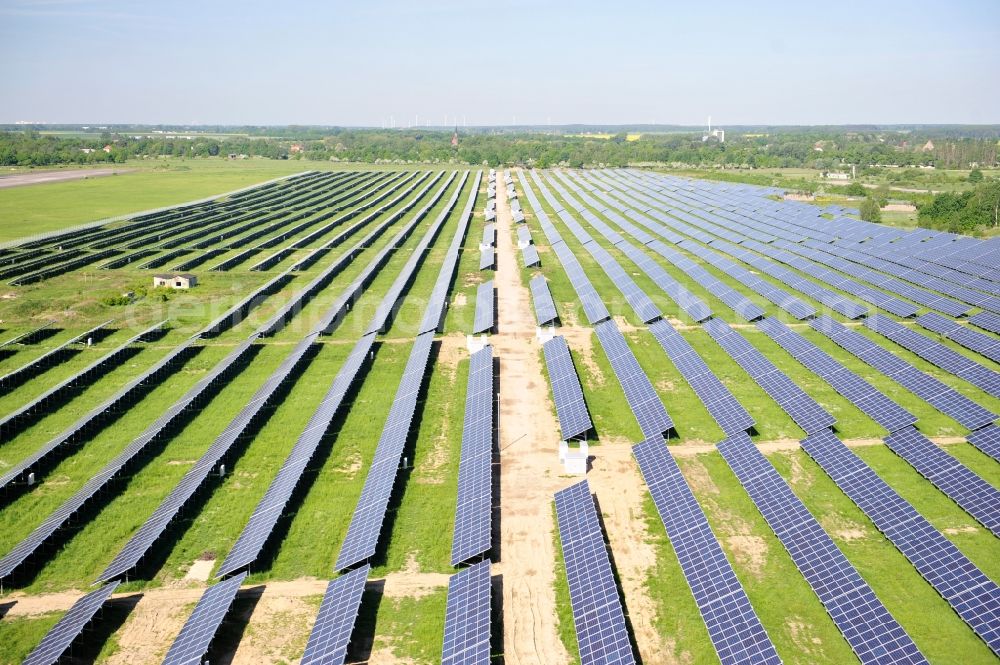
(616, 481)
(42, 177)
(529, 466)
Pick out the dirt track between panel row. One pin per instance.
(529, 466)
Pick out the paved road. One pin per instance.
(39, 177)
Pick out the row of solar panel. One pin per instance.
(601, 634)
(472, 534)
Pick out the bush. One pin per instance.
(855, 189)
(975, 175)
(870, 211)
(116, 300)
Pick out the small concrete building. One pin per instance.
(178, 280)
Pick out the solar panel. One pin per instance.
(198, 632)
(934, 392)
(862, 394)
(597, 609)
(733, 625)
(802, 408)
(872, 632)
(474, 508)
(976, 496)
(936, 353)
(488, 259)
(366, 524)
(61, 636)
(724, 408)
(338, 612)
(467, 617)
(485, 318)
(545, 308)
(987, 440)
(571, 408)
(972, 594)
(530, 255)
(593, 306)
(642, 398)
(490, 234)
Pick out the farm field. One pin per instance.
(314, 422)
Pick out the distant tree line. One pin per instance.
(825, 149)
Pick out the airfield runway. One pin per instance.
(39, 177)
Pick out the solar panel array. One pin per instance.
(44, 362)
(982, 344)
(331, 634)
(485, 318)
(637, 299)
(154, 527)
(40, 406)
(942, 397)
(704, 221)
(474, 508)
(802, 408)
(972, 594)
(869, 399)
(733, 626)
(62, 635)
(718, 400)
(196, 636)
(571, 408)
(987, 440)
(545, 308)
(976, 496)
(366, 524)
(269, 509)
(160, 427)
(390, 301)
(593, 306)
(467, 617)
(646, 405)
(739, 229)
(937, 353)
(872, 632)
(689, 302)
(597, 609)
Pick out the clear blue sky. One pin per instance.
(360, 63)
